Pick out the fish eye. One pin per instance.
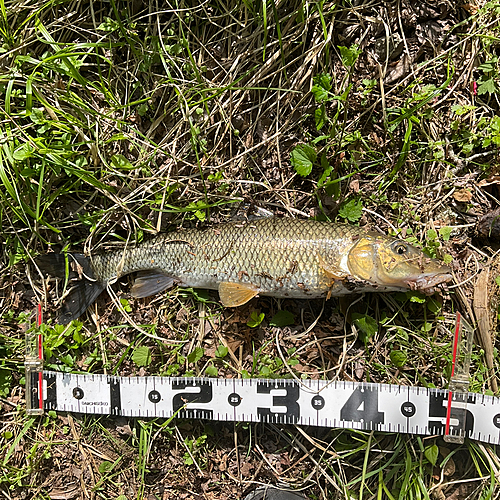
(400, 248)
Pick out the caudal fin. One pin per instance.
(84, 288)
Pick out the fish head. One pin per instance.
(394, 263)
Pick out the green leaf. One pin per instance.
(105, 466)
(351, 210)
(302, 159)
(282, 318)
(120, 162)
(447, 259)
(24, 152)
(142, 356)
(36, 116)
(488, 66)
(195, 355)
(349, 55)
(426, 327)
(211, 371)
(398, 358)
(416, 297)
(486, 86)
(324, 80)
(431, 453)
(432, 234)
(366, 325)
(497, 280)
(108, 25)
(433, 305)
(265, 371)
(320, 94)
(256, 319)
(320, 117)
(5, 381)
(445, 233)
(221, 351)
(322, 86)
(126, 306)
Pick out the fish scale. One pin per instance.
(278, 256)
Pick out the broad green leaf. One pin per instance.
(432, 234)
(221, 351)
(108, 25)
(486, 86)
(349, 55)
(105, 466)
(416, 297)
(120, 162)
(445, 232)
(211, 371)
(282, 318)
(320, 94)
(142, 356)
(351, 210)
(302, 159)
(366, 325)
(195, 355)
(431, 453)
(398, 358)
(447, 259)
(256, 319)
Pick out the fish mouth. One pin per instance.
(427, 283)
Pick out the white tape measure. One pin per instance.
(452, 413)
(379, 407)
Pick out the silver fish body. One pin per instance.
(279, 257)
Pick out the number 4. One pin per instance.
(362, 406)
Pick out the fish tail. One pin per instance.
(76, 269)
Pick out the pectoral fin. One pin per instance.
(330, 271)
(150, 282)
(236, 294)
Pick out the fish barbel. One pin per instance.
(279, 257)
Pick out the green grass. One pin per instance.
(121, 119)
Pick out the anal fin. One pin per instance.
(149, 283)
(236, 294)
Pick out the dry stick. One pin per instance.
(235, 435)
(483, 312)
(86, 460)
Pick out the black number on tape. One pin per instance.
(234, 399)
(362, 406)
(408, 409)
(181, 399)
(289, 401)
(318, 402)
(154, 396)
(438, 408)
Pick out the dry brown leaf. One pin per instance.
(462, 195)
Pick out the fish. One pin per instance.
(278, 257)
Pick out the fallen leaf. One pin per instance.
(462, 195)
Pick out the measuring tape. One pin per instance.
(452, 413)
